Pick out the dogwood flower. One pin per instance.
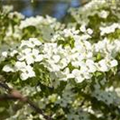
(77, 75)
(102, 65)
(19, 65)
(91, 66)
(27, 72)
(109, 29)
(113, 63)
(103, 14)
(32, 42)
(8, 68)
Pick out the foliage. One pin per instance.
(71, 70)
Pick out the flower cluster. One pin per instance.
(81, 61)
(71, 69)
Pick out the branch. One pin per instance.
(7, 97)
(16, 95)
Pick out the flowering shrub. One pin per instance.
(71, 70)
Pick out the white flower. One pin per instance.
(84, 70)
(102, 46)
(102, 65)
(35, 51)
(52, 66)
(109, 29)
(103, 14)
(32, 42)
(89, 55)
(91, 66)
(88, 45)
(38, 58)
(56, 58)
(8, 68)
(83, 28)
(4, 54)
(75, 63)
(27, 43)
(85, 37)
(28, 58)
(77, 75)
(12, 53)
(89, 31)
(19, 65)
(26, 55)
(117, 45)
(113, 63)
(35, 54)
(17, 14)
(70, 32)
(35, 41)
(27, 72)
(63, 63)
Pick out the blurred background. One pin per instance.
(55, 8)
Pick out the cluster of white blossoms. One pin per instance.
(97, 12)
(70, 69)
(16, 14)
(57, 59)
(40, 21)
(19, 27)
(26, 54)
(81, 15)
(36, 21)
(108, 96)
(79, 115)
(109, 29)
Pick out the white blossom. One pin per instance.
(19, 65)
(102, 65)
(113, 63)
(89, 31)
(27, 72)
(104, 14)
(109, 29)
(77, 75)
(8, 68)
